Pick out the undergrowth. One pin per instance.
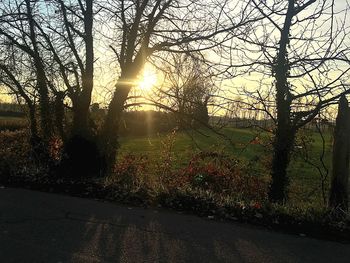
(211, 183)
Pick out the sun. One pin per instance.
(148, 79)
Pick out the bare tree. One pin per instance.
(187, 88)
(144, 28)
(58, 39)
(21, 86)
(67, 34)
(301, 53)
(18, 29)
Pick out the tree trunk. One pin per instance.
(80, 120)
(59, 115)
(45, 109)
(285, 133)
(110, 130)
(283, 144)
(34, 137)
(108, 139)
(83, 100)
(340, 177)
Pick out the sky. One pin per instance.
(106, 72)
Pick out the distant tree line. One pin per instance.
(12, 110)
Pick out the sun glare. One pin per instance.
(148, 79)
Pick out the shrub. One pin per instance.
(165, 165)
(129, 171)
(80, 159)
(223, 175)
(19, 159)
(210, 172)
(14, 152)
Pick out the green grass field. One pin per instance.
(305, 179)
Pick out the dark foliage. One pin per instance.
(80, 159)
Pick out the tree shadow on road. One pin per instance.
(40, 227)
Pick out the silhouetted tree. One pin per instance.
(18, 33)
(147, 27)
(188, 87)
(300, 51)
(56, 38)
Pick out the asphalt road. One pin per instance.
(41, 227)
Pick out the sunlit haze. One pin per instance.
(148, 79)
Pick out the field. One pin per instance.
(253, 148)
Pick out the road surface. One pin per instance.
(42, 227)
